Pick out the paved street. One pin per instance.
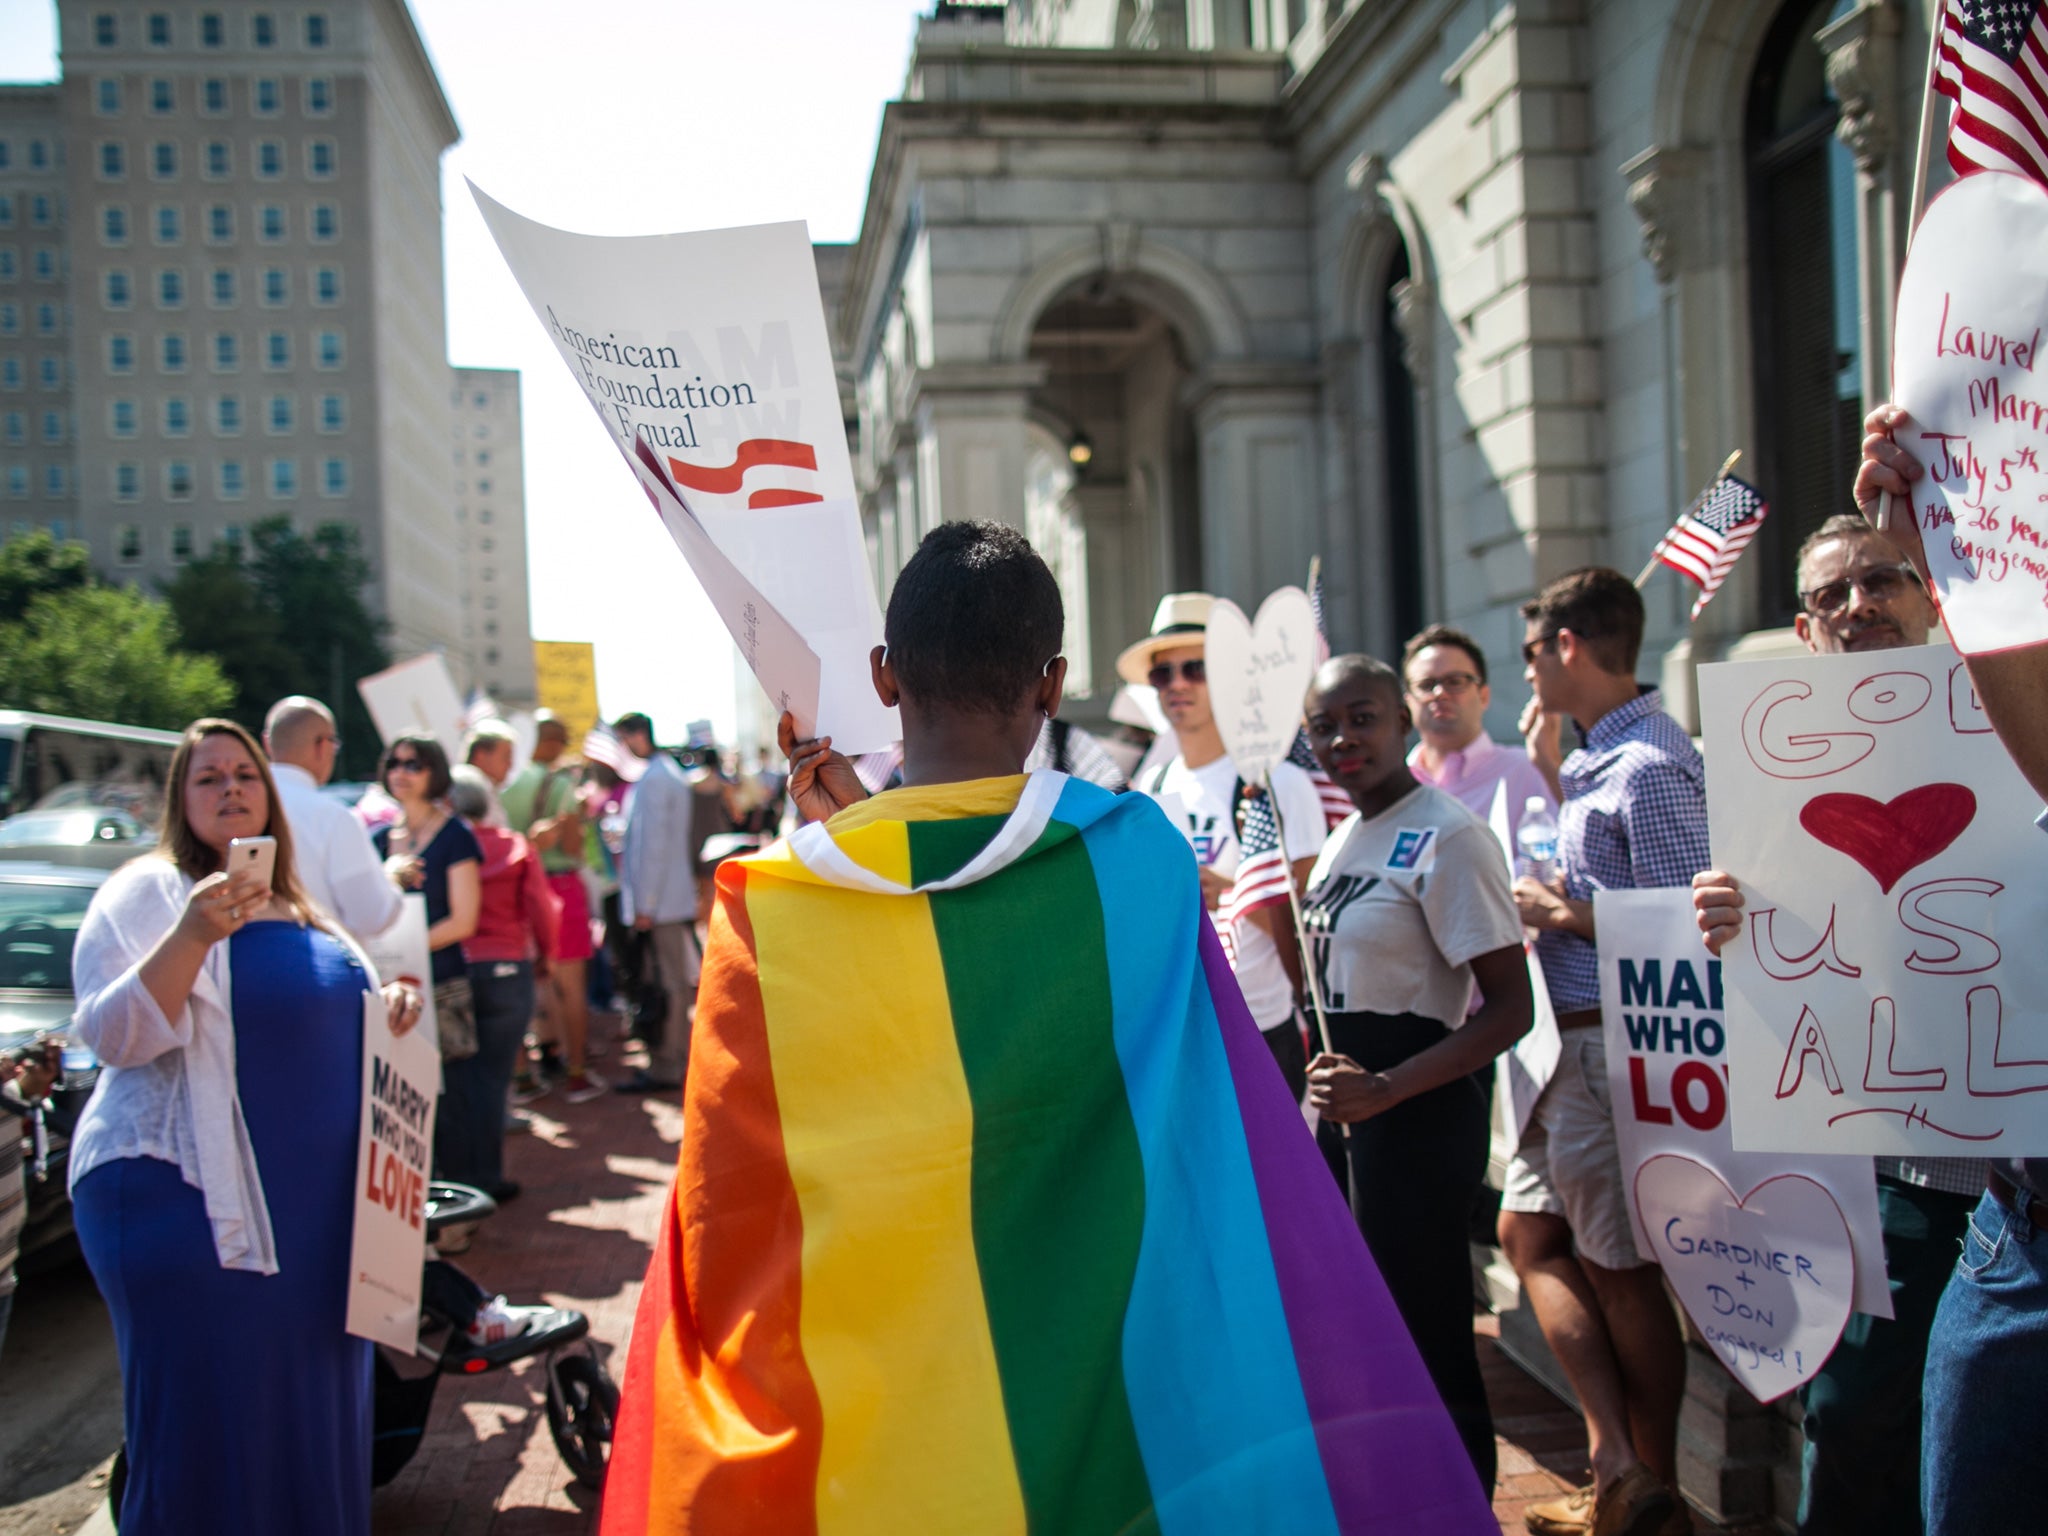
(595, 1177)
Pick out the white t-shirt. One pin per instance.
(1201, 802)
(1399, 906)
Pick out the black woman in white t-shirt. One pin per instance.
(1408, 908)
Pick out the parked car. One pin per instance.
(41, 907)
(102, 836)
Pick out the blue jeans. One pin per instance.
(1987, 1360)
(469, 1137)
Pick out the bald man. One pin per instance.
(336, 861)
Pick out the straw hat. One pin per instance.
(1181, 621)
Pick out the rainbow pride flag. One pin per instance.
(993, 1213)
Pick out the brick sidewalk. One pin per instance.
(595, 1178)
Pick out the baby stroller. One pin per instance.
(582, 1401)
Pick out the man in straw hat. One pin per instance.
(1202, 793)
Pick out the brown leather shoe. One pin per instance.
(1635, 1504)
(1571, 1515)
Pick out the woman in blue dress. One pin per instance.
(213, 1172)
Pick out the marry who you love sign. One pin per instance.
(1887, 993)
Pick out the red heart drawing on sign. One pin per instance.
(1893, 838)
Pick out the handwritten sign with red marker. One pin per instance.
(1885, 995)
(1972, 306)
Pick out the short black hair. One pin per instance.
(634, 722)
(1599, 605)
(1440, 635)
(429, 751)
(974, 619)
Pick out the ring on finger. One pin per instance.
(234, 914)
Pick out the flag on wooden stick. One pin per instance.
(1993, 63)
(1711, 534)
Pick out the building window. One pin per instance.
(334, 477)
(38, 155)
(227, 415)
(270, 224)
(50, 372)
(6, 211)
(213, 97)
(17, 480)
(269, 160)
(326, 223)
(213, 31)
(106, 96)
(170, 289)
(46, 319)
(319, 97)
(220, 160)
(284, 478)
(116, 291)
(483, 487)
(10, 264)
(114, 226)
(53, 428)
(104, 31)
(221, 287)
(268, 98)
(10, 319)
(220, 224)
(45, 264)
(234, 484)
(163, 98)
(181, 540)
(121, 418)
(326, 286)
(56, 481)
(320, 160)
(38, 211)
(113, 163)
(170, 227)
(1806, 343)
(121, 354)
(14, 429)
(276, 287)
(263, 30)
(171, 354)
(280, 413)
(333, 413)
(327, 350)
(316, 31)
(163, 161)
(231, 536)
(177, 421)
(159, 29)
(178, 480)
(277, 350)
(128, 537)
(227, 352)
(128, 487)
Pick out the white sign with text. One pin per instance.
(416, 697)
(1259, 671)
(1885, 995)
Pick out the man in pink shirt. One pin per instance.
(1445, 674)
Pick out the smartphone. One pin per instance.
(255, 856)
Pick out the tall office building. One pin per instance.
(490, 531)
(243, 257)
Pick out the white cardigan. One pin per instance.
(167, 1086)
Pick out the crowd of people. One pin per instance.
(1379, 935)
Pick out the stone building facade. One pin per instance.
(490, 531)
(1456, 295)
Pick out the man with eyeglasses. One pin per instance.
(1201, 792)
(1861, 1473)
(1445, 674)
(331, 849)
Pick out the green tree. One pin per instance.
(288, 617)
(106, 653)
(34, 564)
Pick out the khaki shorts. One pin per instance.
(1568, 1164)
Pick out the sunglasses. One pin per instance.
(1162, 673)
(1883, 584)
(1534, 648)
(404, 765)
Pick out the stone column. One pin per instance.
(972, 441)
(1862, 62)
(1255, 424)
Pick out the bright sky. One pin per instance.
(628, 117)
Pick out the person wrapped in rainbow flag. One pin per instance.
(993, 1213)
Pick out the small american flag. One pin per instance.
(1262, 872)
(1711, 534)
(1994, 66)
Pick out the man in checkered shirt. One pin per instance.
(1632, 812)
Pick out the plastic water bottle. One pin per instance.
(1536, 837)
(79, 1066)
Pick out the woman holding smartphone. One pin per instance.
(213, 1170)
(1408, 906)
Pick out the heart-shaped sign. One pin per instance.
(1767, 1278)
(1895, 837)
(1258, 674)
(1967, 364)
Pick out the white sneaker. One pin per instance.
(582, 1087)
(496, 1321)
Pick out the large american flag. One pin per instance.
(1993, 64)
(1711, 534)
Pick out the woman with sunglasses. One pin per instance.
(213, 1173)
(431, 850)
(1407, 907)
